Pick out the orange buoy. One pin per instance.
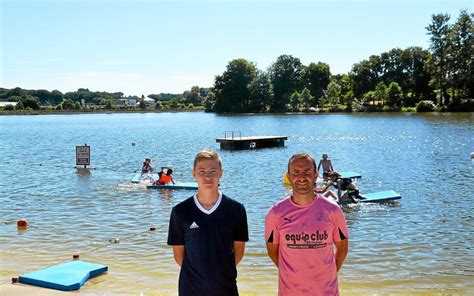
(75, 256)
(14, 279)
(22, 223)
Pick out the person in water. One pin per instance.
(326, 164)
(147, 168)
(346, 189)
(165, 178)
(208, 232)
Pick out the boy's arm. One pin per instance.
(319, 165)
(178, 253)
(239, 248)
(272, 251)
(330, 167)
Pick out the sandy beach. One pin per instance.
(19, 289)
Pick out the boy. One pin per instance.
(327, 166)
(208, 232)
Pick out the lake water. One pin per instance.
(421, 245)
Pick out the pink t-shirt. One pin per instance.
(305, 235)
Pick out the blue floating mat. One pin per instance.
(67, 276)
(376, 197)
(352, 175)
(140, 177)
(184, 185)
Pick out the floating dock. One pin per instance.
(234, 142)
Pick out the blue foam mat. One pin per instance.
(68, 276)
(377, 197)
(352, 175)
(184, 185)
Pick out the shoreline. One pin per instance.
(75, 112)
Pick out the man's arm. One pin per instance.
(239, 248)
(342, 248)
(272, 251)
(178, 253)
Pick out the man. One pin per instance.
(208, 232)
(302, 231)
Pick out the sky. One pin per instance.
(147, 47)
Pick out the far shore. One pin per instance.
(100, 111)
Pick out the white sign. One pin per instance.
(83, 155)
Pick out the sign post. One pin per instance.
(83, 155)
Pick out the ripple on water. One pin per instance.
(423, 244)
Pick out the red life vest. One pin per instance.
(164, 179)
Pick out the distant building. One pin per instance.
(4, 104)
(149, 102)
(126, 102)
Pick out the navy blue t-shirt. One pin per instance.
(208, 265)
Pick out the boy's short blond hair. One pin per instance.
(207, 155)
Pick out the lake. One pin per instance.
(421, 245)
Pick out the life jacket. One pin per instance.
(164, 179)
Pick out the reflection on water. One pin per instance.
(83, 172)
(421, 245)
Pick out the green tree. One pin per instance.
(295, 101)
(193, 96)
(438, 30)
(67, 104)
(394, 96)
(414, 64)
(461, 57)
(286, 76)
(260, 92)
(345, 84)
(30, 102)
(209, 102)
(365, 76)
(14, 99)
(56, 97)
(381, 92)
(307, 99)
(19, 106)
(231, 89)
(333, 93)
(42, 95)
(317, 78)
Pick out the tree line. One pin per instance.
(440, 78)
(83, 98)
